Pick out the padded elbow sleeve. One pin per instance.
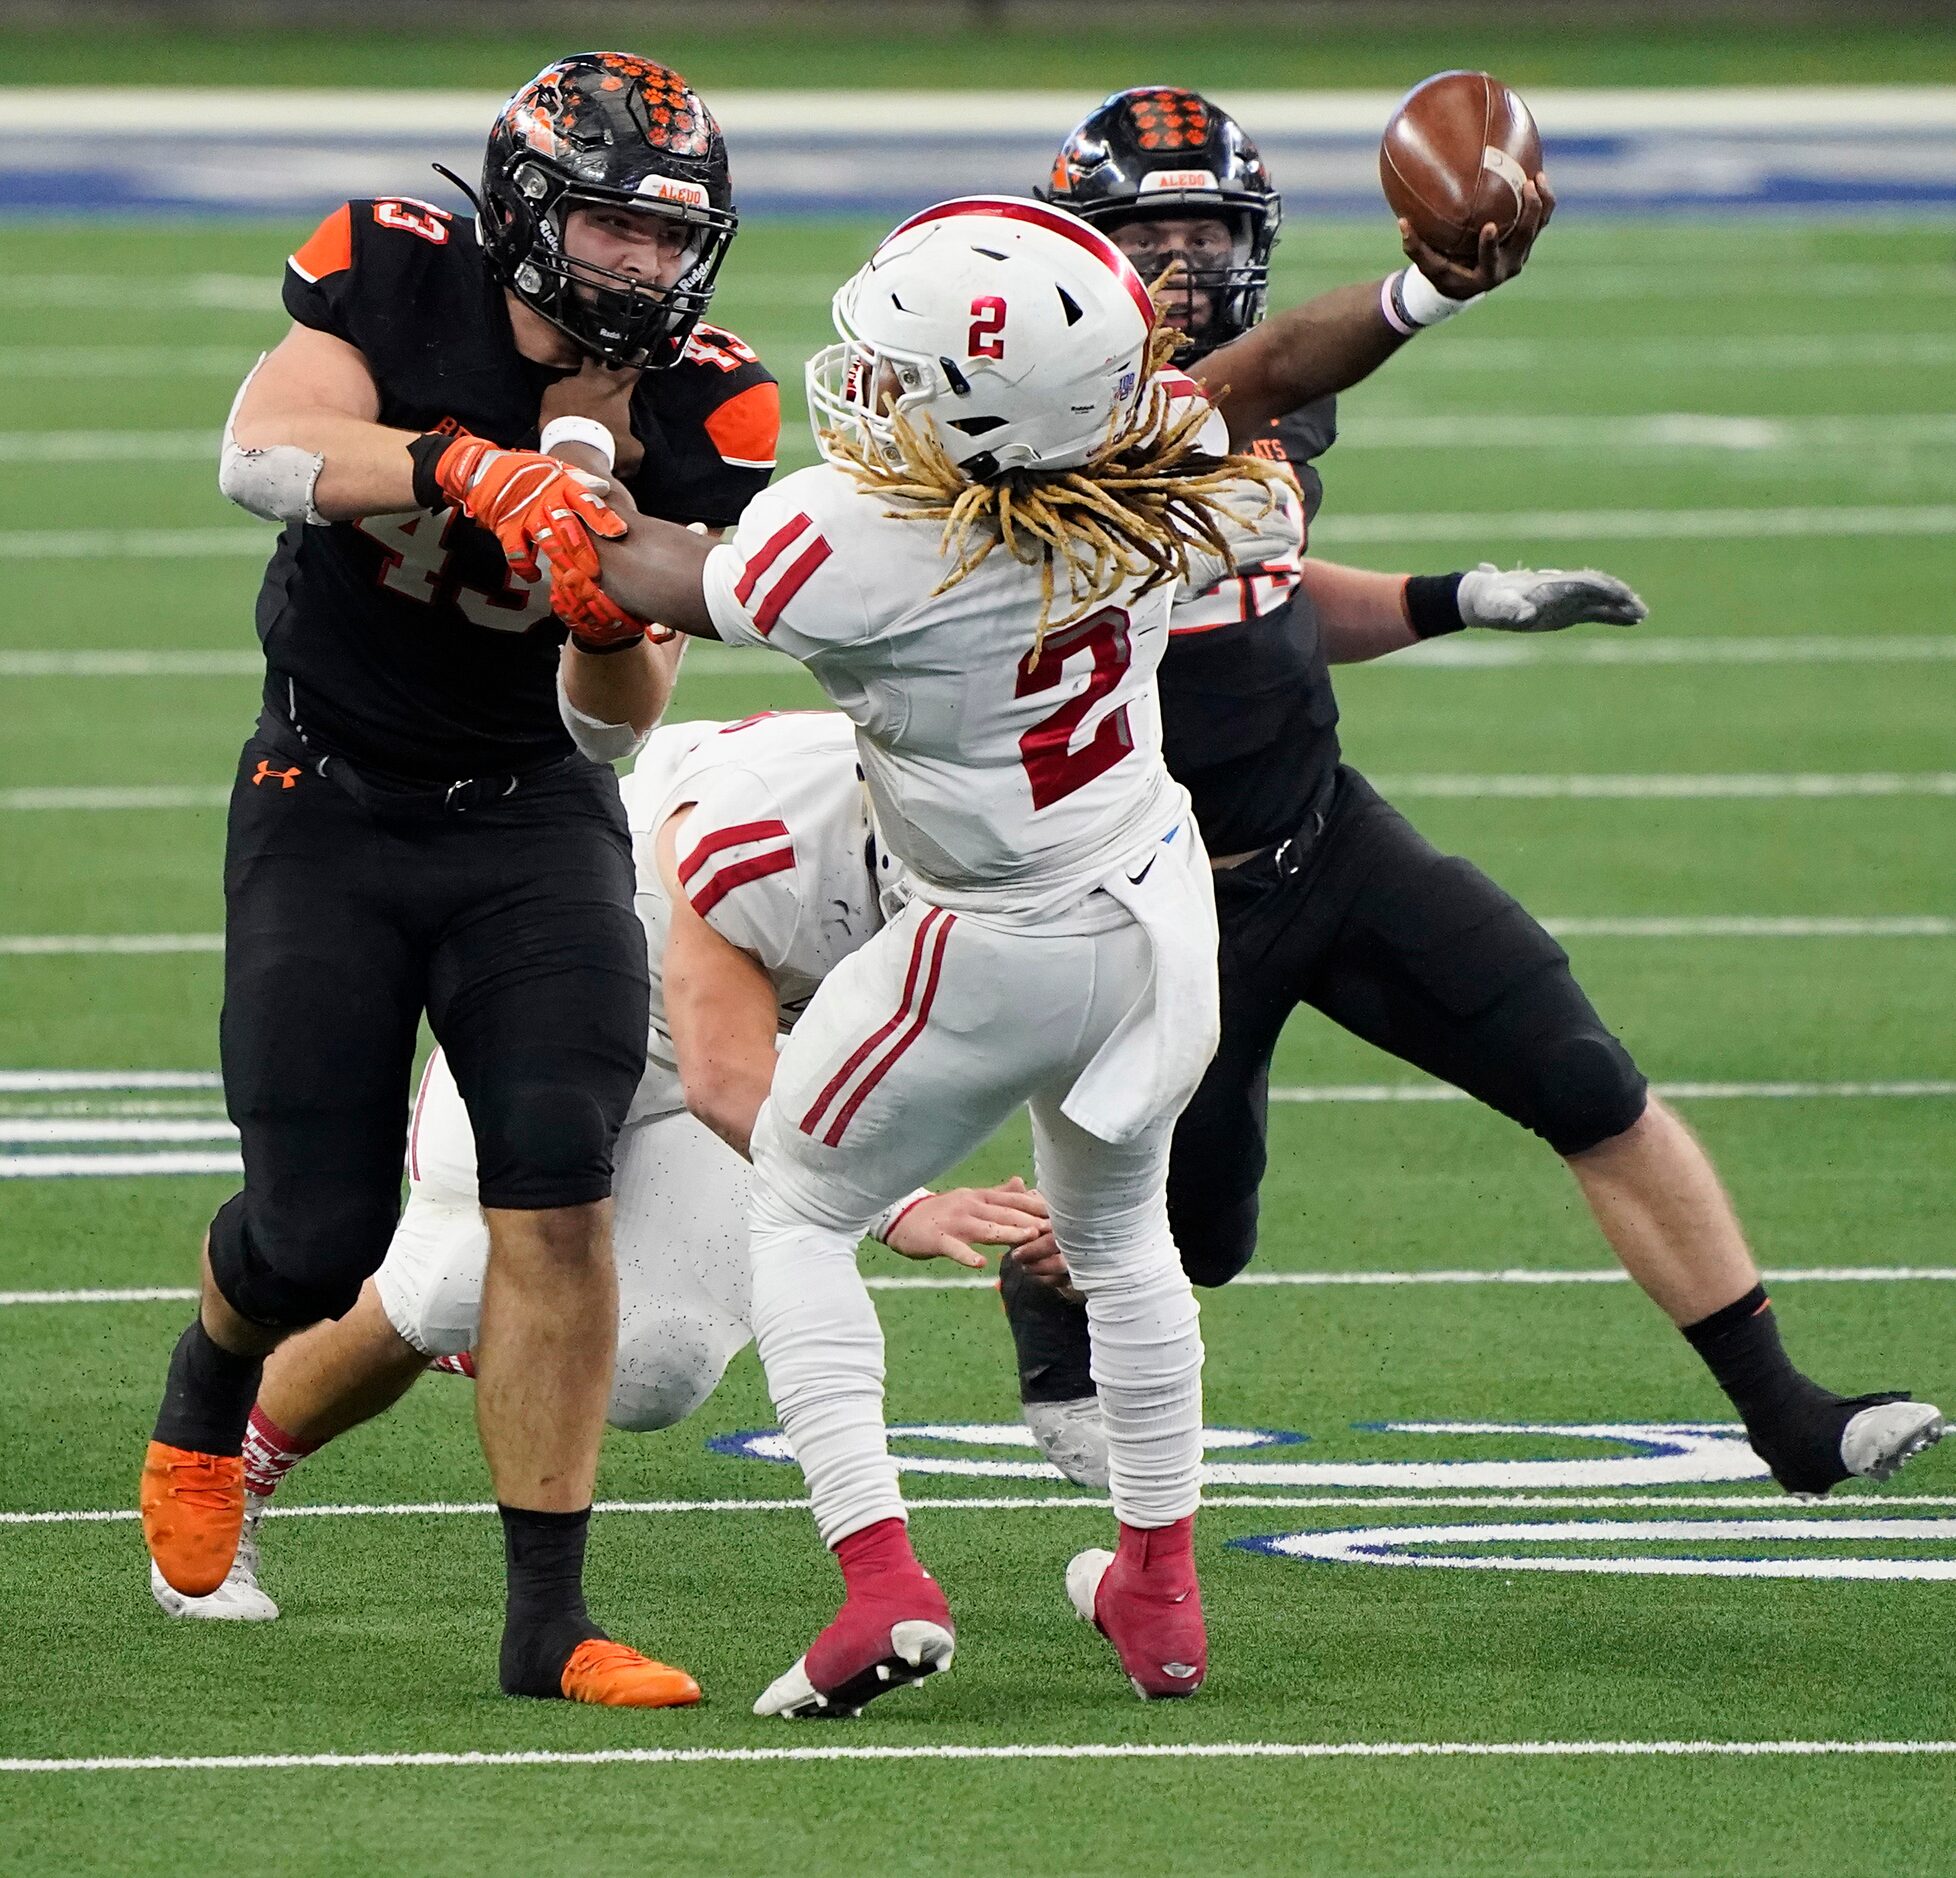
(275, 483)
(601, 742)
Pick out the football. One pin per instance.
(1454, 158)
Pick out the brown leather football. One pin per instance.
(1455, 156)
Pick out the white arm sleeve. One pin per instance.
(601, 742)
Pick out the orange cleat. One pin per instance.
(614, 1675)
(193, 1512)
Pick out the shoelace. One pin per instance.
(200, 1482)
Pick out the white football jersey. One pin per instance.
(774, 854)
(1008, 785)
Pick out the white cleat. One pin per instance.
(1072, 1437)
(240, 1599)
(1876, 1442)
(916, 1650)
(1083, 1576)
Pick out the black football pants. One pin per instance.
(1418, 952)
(502, 910)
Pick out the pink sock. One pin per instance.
(270, 1453)
(878, 1551)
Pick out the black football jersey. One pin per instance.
(404, 642)
(1249, 723)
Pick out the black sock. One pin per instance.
(1049, 1333)
(207, 1395)
(1793, 1423)
(543, 1554)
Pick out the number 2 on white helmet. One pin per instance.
(1012, 331)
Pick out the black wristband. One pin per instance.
(1432, 603)
(610, 646)
(426, 450)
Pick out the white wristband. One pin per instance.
(1411, 302)
(885, 1221)
(586, 430)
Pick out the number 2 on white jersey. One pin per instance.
(1053, 767)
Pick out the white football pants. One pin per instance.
(680, 1235)
(912, 1053)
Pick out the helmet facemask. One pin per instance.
(619, 318)
(1234, 278)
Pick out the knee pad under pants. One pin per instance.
(304, 1264)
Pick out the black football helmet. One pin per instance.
(606, 129)
(1161, 151)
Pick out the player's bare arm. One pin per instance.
(1365, 615)
(614, 691)
(721, 1007)
(723, 1014)
(308, 416)
(652, 571)
(1340, 337)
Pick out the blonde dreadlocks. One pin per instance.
(1134, 509)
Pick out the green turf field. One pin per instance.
(1618, 405)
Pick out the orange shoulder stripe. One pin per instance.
(329, 248)
(746, 430)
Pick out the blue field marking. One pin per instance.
(891, 168)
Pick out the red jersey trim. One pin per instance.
(726, 879)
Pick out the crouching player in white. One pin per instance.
(979, 575)
(757, 874)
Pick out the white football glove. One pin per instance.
(1545, 600)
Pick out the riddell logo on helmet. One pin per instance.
(1179, 179)
(671, 189)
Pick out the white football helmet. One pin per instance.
(1015, 331)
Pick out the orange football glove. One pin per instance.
(532, 504)
(596, 620)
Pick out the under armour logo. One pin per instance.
(285, 778)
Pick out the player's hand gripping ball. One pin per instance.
(533, 504)
(1461, 162)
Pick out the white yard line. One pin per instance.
(793, 288)
(1512, 1275)
(709, 661)
(1740, 524)
(1761, 785)
(107, 446)
(1636, 430)
(1695, 524)
(1446, 654)
(41, 1165)
(1024, 1751)
(1728, 354)
(1721, 432)
(1675, 1091)
(70, 1130)
(58, 1081)
(1454, 651)
(1354, 1500)
(124, 544)
(66, 945)
(1681, 926)
(113, 1166)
